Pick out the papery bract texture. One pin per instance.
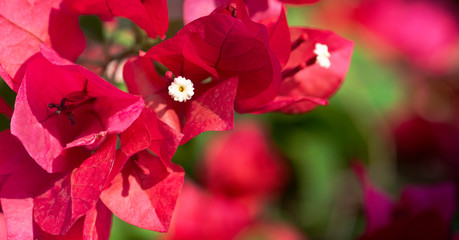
(17, 194)
(64, 106)
(72, 196)
(24, 25)
(150, 132)
(144, 193)
(150, 15)
(97, 223)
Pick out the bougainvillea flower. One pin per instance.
(144, 193)
(213, 43)
(210, 108)
(30, 216)
(61, 106)
(243, 164)
(217, 69)
(150, 15)
(422, 212)
(384, 18)
(201, 215)
(318, 63)
(25, 25)
(314, 64)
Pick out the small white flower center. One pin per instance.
(323, 56)
(181, 89)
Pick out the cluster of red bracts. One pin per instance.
(79, 149)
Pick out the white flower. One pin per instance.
(181, 89)
(323, 56)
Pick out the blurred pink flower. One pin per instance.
(202, 215)
(243, 164)
(422, 212)
(423, 31)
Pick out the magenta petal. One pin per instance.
(76, 232)
(22, 34)
(179, 55)
(377, 205)
(440, 198)
(97, 223)
(3, 233)
(19, 217)
(194, 9)
(93, 7)
(142, 78)
(150, 15)
(306, 84)
(279, 37)
(17, 198)
(217, 39)
(150, 132)
(12, 153)
(56, 210)
(89, 179)
(211, 111)
(94, 109)
(145, 192)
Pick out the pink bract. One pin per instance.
(305, 83)
(211, 107)
(150, 15)
(64, 106)
(22, 34)
(144, 193)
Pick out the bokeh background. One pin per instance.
(397, 113)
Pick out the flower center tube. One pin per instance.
(321, 57)
(70, 103)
